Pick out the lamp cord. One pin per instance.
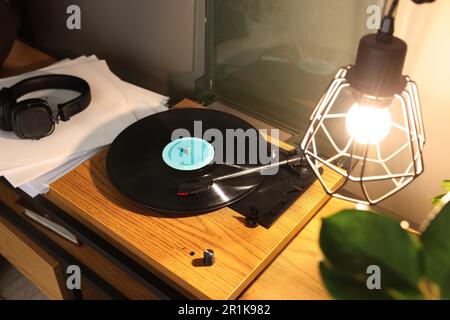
(393, 8)
(386, 31)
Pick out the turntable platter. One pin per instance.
(148, 163)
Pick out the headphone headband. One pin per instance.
(65, 110)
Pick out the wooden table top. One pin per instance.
(24, 58)
(294, 274)
(164, 245)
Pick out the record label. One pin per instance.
(188, 154)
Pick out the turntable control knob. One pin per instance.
(251, 222)
(208, 257)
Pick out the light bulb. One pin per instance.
(380, 123)
(368, 125)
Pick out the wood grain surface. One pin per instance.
(23, 58)
(165, 245)
(121, 280)
(32, 261)
(295, 274)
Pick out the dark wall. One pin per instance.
(148, 42)
(8, 24)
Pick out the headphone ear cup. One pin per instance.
(32, 119)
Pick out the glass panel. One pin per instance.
(275, 58)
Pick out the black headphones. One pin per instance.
(33, 118)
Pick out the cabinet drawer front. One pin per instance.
(32, 261)
(125, 283)
(122, 281)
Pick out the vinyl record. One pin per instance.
(147, 165)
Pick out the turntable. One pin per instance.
(171, 215)
(195, 177)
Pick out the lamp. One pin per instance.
(368, 125)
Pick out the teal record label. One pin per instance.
(188, 154)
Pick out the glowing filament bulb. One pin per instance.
(368, 125)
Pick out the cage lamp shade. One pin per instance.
(368, 126)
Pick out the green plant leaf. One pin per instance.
(446, 185)
(436, 249)
(445, 289)
(342, 287)
(437, 200)
(352, 240)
